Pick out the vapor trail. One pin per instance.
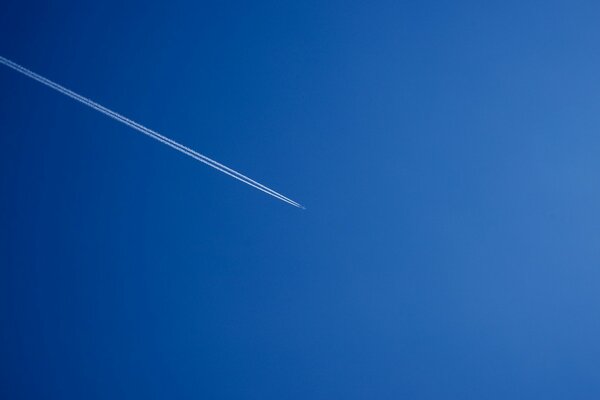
(149, 132)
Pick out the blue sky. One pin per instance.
(447, 154)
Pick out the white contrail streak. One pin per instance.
(149, 132)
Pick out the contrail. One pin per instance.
(149, 132)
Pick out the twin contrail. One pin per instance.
(149, 132)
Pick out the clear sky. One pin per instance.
(447, 154)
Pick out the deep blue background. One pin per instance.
(448, 154)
